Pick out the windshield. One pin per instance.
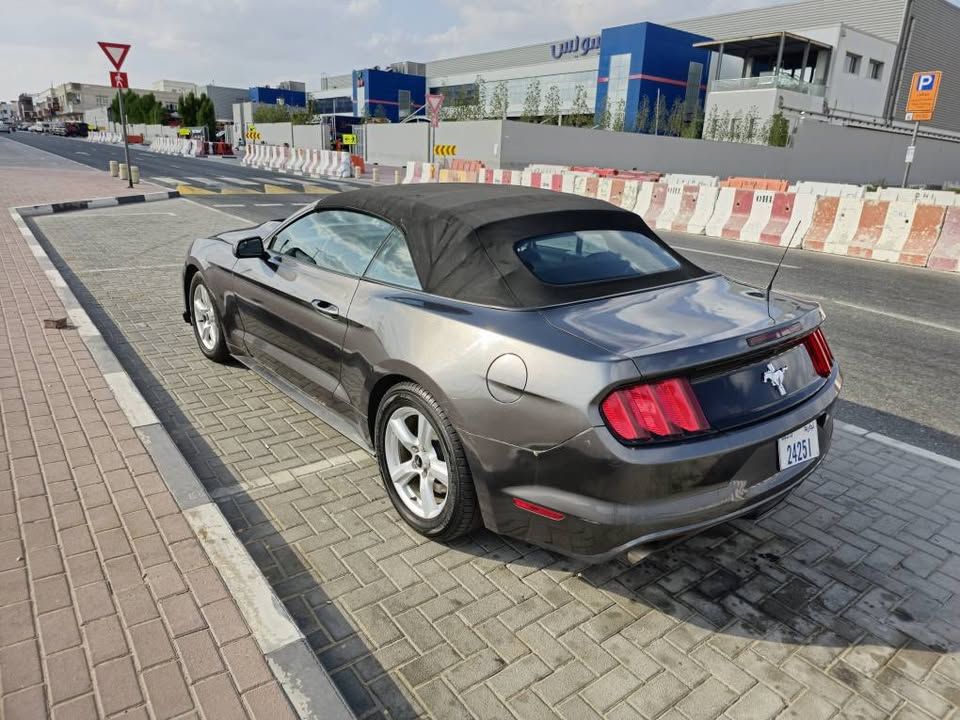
(587, 256)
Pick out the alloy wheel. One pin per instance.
(205, 318)
(416, 462)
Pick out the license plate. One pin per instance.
(799, 446)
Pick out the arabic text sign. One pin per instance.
(578, 46)
(924, 89)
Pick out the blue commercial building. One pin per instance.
(278, 96)
(386, 93)
(652, 62)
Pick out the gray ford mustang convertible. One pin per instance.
(536, 362)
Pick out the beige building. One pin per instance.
(70, 100)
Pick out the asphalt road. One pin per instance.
(199, 176)
(895, 330)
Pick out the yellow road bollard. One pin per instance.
(123, 171)
(114, 168)
(135, 174)
(376, 175)
(396, 177)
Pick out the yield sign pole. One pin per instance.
(116, 53)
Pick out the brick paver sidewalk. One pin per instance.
(108, 604)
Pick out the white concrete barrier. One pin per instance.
(706, 201)
(759, 216)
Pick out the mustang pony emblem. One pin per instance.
(774, 376)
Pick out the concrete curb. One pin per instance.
(306, 683)
(898, 444)
(34, 210)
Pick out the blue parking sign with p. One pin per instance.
(926, 81)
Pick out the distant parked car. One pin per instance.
(4, 128)
(25, 127)
(537, 362)
(38, 127)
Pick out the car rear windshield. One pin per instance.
(588, 256)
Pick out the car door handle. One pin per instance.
(326, 308)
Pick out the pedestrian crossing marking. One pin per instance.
(227, 190)
(206, 181)
(269, 189)
(317, 189)
(237, 181)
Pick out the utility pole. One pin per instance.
(911, 151)
(126, 145)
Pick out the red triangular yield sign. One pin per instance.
(115, 52)
(434, 102)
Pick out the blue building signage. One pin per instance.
(575, 46)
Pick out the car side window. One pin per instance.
(301, 240)
(337, 240)
(393, 264)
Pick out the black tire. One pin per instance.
(219, 351)
(460, 513)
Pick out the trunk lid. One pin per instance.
(709, 331)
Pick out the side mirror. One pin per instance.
(251, 247)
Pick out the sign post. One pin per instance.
(924, 88)
(434, 103)
(116, 53)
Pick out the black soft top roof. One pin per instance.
(462, 236)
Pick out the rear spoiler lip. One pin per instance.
(695, 359)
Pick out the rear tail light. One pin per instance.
(663, 409)
(819, 351)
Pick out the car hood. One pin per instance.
(684, 326)
(264, 230)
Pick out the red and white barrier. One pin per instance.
(416, 172)
(946, 253)
(631, 189)
(649, 206)
(671, 206)
(910, 233)
(678, 179)
(551, 181)
(821, 224)
(248, 152)
(760, 215)
(731, 212)
(702, 212)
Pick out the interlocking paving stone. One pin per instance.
(841, 600)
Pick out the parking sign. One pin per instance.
(924, 89)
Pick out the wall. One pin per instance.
(396, 144)
(313, 137)
(382, 91)
(819, 152)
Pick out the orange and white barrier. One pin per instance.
(946, 253)
(551, 181)
(759, 218)
(702, 211)
(678, 179)
(829, 189)
(730, 214)
(419, 172)
(821, 224)
(631, 188)
(910, 233)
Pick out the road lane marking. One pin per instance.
(884, 313)
(735, 257)
(219, 205)
(236, 180)
(269, 204)
(205, 181)
(279, 181)
(81, 152)
(169, 180)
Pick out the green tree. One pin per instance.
(779, 131)
(617, 117)
(725, 131)
(659, 120)
(675, 119)
(582, 114)
(551, 104)
(531, 103)
(499, 101)
(139, 108)
(479, 108)
(712, 124)
(693, 128)
(271, 114)
(207, 116)
(602, 120)
(188, 106)
(300, 117)
(642, 120)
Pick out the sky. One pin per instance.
(262, 42)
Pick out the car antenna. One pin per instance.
(774, 276)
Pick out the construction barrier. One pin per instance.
(730, 214)
(551, 181)
(702, 211)
(417, 172)
(845, 224)
(946, 253)
(777, 230)
(671, 206)
(910, 233)
(830, 189)
(689, 195)
(821, 224)
(759, 218)
(749, 183)
(652, 203)
(677, 179)
(631, 188)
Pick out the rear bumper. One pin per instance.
(615, 497)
